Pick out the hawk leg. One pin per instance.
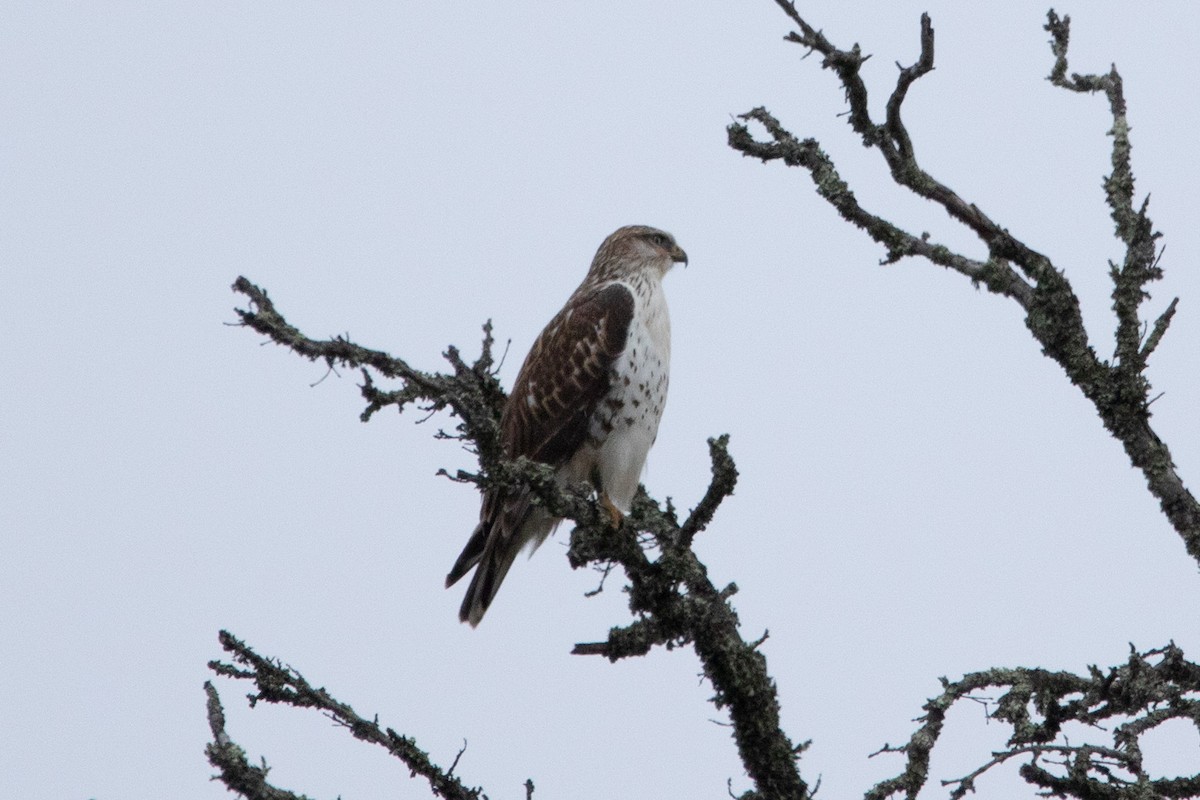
(614, 513)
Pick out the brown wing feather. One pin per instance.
(566, 375)
(563, 379)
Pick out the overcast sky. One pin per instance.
(922, 493)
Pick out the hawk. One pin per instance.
(587, 402)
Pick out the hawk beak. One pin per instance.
(678, 255)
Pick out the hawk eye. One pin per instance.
(661, 240)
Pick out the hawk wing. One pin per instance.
(565, 377)
(547, 417)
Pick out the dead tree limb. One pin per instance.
(276, 683)
(1117, 387)
(670, 596)
(1142, 694)
(1150, 689)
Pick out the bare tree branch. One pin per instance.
(671, 597)
(237, 773)
(277, 683)
(471, 393)
(997, 274)
(1149, 689)
(1119, 390)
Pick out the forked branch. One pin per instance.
(276, 683)
(1118, 388)
(670, 596)
(1037, 705)
(1146, 692)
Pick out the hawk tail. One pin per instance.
(504, 529)
(489, 574)
(469, 556)
(490, 551)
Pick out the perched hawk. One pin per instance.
(587, 401)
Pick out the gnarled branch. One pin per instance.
(1148, 690)
(1118, 389)
(671, 597)
(277, 683)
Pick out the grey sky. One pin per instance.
(922, 493)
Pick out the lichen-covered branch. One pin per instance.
(1142, 694)
(277, 683)
(700, 616)
(236, 772)
(1123, 398)
(471, 392)
(1126, 701)
(1118, 388)
(671, 597)
(997, 274)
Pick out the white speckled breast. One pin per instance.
(626, 423)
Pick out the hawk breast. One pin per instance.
(625, 423)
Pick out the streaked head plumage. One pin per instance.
(635, 248)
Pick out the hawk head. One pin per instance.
(635, 248)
